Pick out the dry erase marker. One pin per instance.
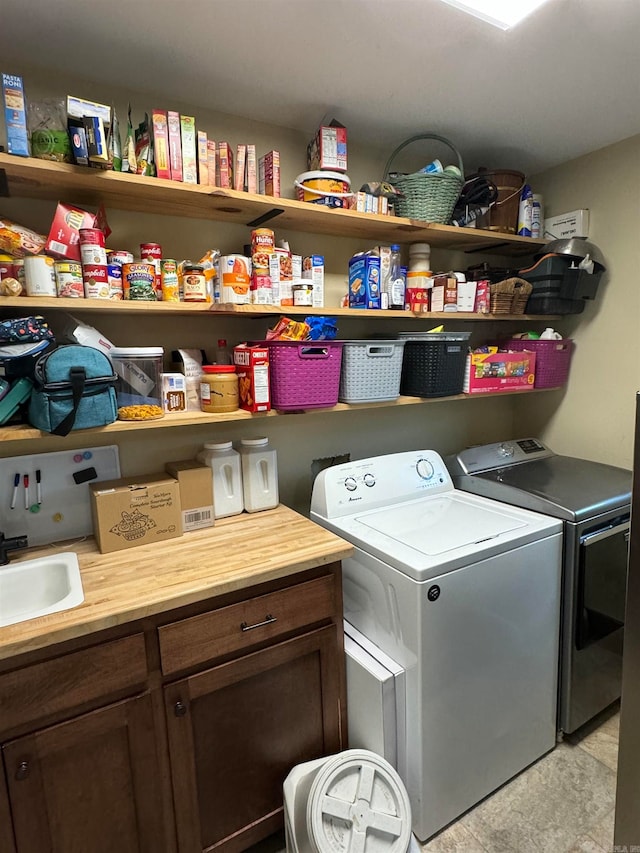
(38, 486)
(25, 480)
(14, 496)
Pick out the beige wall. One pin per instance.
(444, 426)
(596, 418)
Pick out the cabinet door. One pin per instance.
(6, 830)
(235, 732)
(90, 784)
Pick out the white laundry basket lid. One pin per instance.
(357, 802)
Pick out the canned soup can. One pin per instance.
(69, 281)
(138, 281)
(40, 277)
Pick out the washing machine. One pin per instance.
(593, 501)
(463, 594)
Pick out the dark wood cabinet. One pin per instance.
(237, 729)
(90, 784)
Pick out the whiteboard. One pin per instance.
(64, 511)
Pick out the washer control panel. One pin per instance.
(487, 457)
(380, 481)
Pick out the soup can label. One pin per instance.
(170, 282)
(91, 236)
(138, 281)
(120, 258)
(40, 278)
(69, 281)
(114, 279)
(92, 254)
(7, 269)
(262, 245)
(96, 284)
(152, 254)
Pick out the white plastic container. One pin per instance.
(226, 472)
(259, 474)
(139, 371)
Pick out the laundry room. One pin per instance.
(357, 473)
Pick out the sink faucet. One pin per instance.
(11, 544)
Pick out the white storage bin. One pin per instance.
(371, 371)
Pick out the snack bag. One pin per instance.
(19, 241)
(129, 162)
(288, 330)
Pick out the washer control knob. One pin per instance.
(351, 484)
(505, 450)
(369, 480)
(424, 469)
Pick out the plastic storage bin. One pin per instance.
(433, 363)
(371, 371)
(553, 359)
(559, 287)
(304, 374)
(139, 371)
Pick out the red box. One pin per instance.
(417, 298)
(64, 235)
(224, 166)
(269, 174)
(494, 372)
(252, 367)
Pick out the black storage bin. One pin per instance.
(555, 273)
(550, 303)
(433, 363)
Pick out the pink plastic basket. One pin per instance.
(304, 374)
(553, 359)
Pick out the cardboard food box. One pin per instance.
(189, 149)
(175, 145)
(196, 493)
(328, 149)
(313, 269)
(252, 367)
(493, 372)
(364, 281)
(135, 511)
(203, 158)
(174, 392)
(15, 115)
(161, 143)
(269, 174)
(63, 240)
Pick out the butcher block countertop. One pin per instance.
(124, 586)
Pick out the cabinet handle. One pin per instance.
(267, 621)
(179, 709)
(23, 770)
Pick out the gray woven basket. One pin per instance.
(429, 198)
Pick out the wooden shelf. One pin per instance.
(29, 433)
(32, 178)
(50, 303)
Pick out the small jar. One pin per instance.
(194, 283)
(219, 388)
(303, 294)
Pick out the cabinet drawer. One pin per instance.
(71, 680)
(229, 629)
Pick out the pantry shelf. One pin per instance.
(51, 303)
(26, 177)
(29, 433)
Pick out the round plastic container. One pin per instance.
(226, 472)
(328, 188)
(259, 474)
(139, 371)
(219, 388)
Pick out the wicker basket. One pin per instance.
(429, 198)
(509, 296)
(370, 371)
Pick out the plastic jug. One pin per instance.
(226, 472)
(259, 474)
(550, 334)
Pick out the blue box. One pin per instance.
(364, 281)
(15, 115)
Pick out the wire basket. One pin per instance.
(304, 374)
(428, 197)
(370, 371)
(553, 359)
(433, 363)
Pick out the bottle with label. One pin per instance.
(537, 216)
(223, 353)
(226, 472)
(396, 283)
(259, 474)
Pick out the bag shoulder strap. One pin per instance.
(77, 378)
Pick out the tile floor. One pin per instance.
(564, 803)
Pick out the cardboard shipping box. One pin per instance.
(196, 492)
(135, 511)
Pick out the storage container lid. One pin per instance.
(218, 368)
(434, 336)
(136, 352)
(219, 445)
(254, 442)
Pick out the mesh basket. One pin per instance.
(304, 374)
(553, 359)
(370, 371)
(433, 363)
(430, 198)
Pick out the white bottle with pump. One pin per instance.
(259, 474)
(226, 471)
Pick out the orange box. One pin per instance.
(493, 372)
(252, 367)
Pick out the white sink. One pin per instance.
(34, 588)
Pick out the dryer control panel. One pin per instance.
(379, 481)
(487, 457)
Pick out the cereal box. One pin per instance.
(189, 154)
(252, 368)
(224, 166)
(175, 146)
(493, 372)
(161, 143)
(211, 161)
(252, 170)
(269, 174)
(203, 158)
(15, 115)
(313, 268)
(364, 281)
(328, 149)
(241, 161)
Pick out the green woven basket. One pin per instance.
(430, 198)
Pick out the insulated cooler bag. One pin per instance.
(73, 390)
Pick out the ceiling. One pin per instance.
(566, 81)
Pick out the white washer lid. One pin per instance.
(358, 804)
